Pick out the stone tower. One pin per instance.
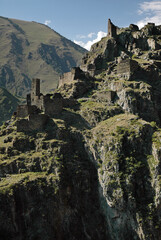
(111, 29)
(35, 88)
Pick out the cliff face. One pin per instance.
(49, 188)
(122, 147)
(94, 171)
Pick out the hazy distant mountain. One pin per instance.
(8, 104)
(33, 50)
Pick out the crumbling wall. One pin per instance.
(22, 125)
(24, 110)
(50, 104)
(53, 107)
(65, 78)
(107, 96)
(75, 74)
(37, 121)
(33, 123)
(38, 101)
(127, 67)
(53, 104)
(35, 88)
(35, 98)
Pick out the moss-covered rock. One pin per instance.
(94, 112)
(120, 147)
(48, 187)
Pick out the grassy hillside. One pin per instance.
(8, 104)
(33, 50)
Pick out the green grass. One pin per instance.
(118, 125)
(94, 112)
(7, 184)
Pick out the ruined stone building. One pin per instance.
(75, 75)
(39, 108)
(112, 29)
(127, 67)
(50, 104)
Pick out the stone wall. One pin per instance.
(107, 96)
(53, 107)
(65, 78)
(38, 101)
(22, 125)
(127, 67)
(37, 121)
(75, 74)
(50, 104)
(24, 110)
(35, 88)
(35, 98)
(53, 104)
(33, 123)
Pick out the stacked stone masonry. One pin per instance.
(75, 74)
(127, 67)
(39, 108)
(33, 123)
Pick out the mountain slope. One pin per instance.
(8, 104)
(32, 50)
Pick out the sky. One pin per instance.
(83, 21)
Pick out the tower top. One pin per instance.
(35, 87)
(111, 29)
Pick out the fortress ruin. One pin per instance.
(39, 108)
(50, 104)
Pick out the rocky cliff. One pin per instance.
(94, 171)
